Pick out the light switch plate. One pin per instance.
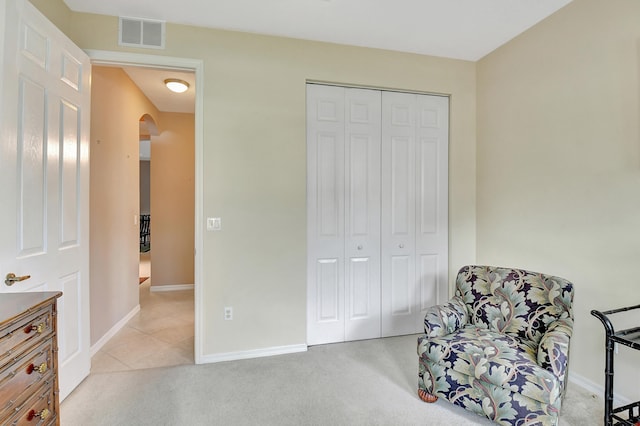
(214, 224)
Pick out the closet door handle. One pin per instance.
(401, 245)
(360, 247)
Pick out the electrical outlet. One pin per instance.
(228, 313)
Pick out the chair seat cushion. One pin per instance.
(503, 360)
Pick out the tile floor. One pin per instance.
(160, 335)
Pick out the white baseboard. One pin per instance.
(254, 353)
(596, 389)
(112, 332)
(174, 287)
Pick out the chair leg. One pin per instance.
(426, 396)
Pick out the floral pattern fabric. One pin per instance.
(500, 347)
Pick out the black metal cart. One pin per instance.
(628, 414)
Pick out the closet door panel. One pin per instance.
(401, 199)
(325, 214)
(328, 290)
(362, 213)
(428, 283)
(428, 186)
(359, 296)
(399, 288)
(432, 134)
(328, 174)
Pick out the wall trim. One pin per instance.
(113, 331)
(596, 389)
(105, 57)
(254, 353)
(173, 287)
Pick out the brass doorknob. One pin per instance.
(11, 278)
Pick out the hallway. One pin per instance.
(160, 335)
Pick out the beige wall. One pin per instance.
(56, 11)
(254, 164)
(559, 165)
(116, 107)
(172, 200)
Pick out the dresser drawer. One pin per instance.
(18, 335)
(38, 410)
(28, 359)
(21, 378)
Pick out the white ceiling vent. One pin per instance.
(136, 32)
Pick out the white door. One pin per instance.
(414, 208)
(44, 158)
(325, 214)
(362, 214)
(377, 200)
(343, 192)
(432, 204)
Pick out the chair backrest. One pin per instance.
(514, 301)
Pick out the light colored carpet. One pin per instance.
(370, 382)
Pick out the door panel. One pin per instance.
(328, 282)
(398, 213)
(44, 129)
(401, 197)
(401, 290)
(362, 212)
(428, 290)
(432, 206)
(329, 207)
(325, 215)
(360, 307)
(414, 208)
(358, 181)
(428, 184)
(69, 175)
(343, 199)
(34, 45)
(69, 344)
(32, 168)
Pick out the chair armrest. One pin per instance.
(441, 320)
(553, 350)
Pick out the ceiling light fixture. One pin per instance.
(176, 85)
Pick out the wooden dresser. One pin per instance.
(28, 359)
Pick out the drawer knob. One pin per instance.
(37, 328)
(42, 368)
(42, 414)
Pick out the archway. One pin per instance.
(147, 128)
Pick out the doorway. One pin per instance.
(143, 62)
(147, 128)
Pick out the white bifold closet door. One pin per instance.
(343, 214)
(376, 211)
(415, 135)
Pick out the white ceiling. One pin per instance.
(151, 83)
(460, 29)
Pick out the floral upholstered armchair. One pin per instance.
(500, 347)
